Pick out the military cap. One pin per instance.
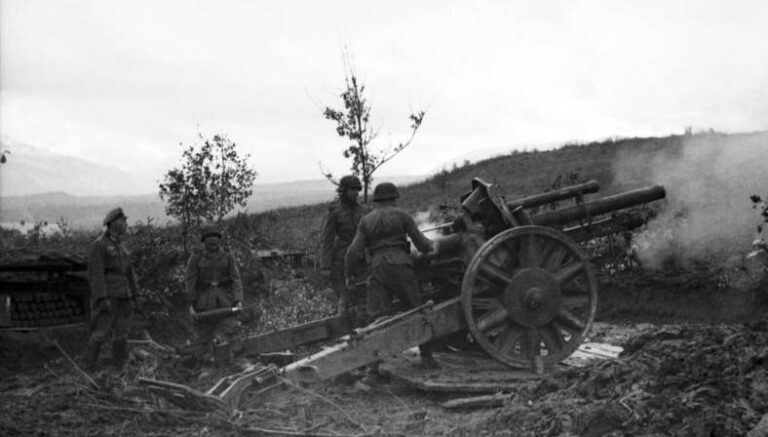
(114, 215)
(209, 231)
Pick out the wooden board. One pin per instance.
(463, 372)
(459, 373)
(590, 352)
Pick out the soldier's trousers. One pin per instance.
(115, 322)
(209, 333)
(386, 282)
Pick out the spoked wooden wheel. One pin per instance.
(529, 292)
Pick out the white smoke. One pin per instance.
(709, 179)
(427, 224)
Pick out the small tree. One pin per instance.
(353, 122)
(211, 181)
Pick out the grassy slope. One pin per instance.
(518, 174)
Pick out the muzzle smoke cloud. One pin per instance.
(426, 223)
(709, 179)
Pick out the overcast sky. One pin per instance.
(124, 82)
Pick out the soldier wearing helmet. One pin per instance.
(213, 281)
(113, 286)
(382, 233)
(338, 230)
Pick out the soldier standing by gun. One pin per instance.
(383, 234)
(113, 286)
(338, 231)
(213, 283)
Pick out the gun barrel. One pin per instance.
(607, 226)
(601, 206)
(591, 186)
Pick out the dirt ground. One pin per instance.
(682, 373)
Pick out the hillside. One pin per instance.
(708, 178)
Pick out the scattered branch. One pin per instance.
(328, 401)
(72, 362)
(327, 174)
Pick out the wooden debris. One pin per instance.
(487, 401)
(151, 344)
(185, 397)
(459, 373)
(589, 352)
(72, 362)
(230, 389)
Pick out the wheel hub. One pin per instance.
(532, 298)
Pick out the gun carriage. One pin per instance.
(515, 282)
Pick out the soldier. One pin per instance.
(338, 230)
(113, 286)
(213, 281)
(383, 234)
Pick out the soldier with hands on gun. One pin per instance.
(213, 287)
(339, 229)
(382, 233)
(113, 287)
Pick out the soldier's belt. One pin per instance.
(391, 248)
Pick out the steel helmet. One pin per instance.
(350, 181)
(385, 191)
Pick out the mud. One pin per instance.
(691, 367)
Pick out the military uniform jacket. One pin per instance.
(338, 231)
(110, 273)
(383, 234)
(213, 272)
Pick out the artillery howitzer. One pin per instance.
(517, 282)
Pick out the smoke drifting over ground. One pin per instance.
(709, 179)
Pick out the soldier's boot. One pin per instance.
(222, 354)
(236, 346)
(428, 361)
(374, 375)
(91, 355)
(119, 353)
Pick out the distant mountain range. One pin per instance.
(39, 185)
(32, 170)
(88, 211)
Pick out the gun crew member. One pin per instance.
(213, 282)
(382, 233)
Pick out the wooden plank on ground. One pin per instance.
(459, 373)
(590, 352)
(464, 372)
(487, 401)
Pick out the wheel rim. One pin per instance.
(529, 293)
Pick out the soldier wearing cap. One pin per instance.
(382, 233)
(212, 282)
(113, 286)
(338, 230)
